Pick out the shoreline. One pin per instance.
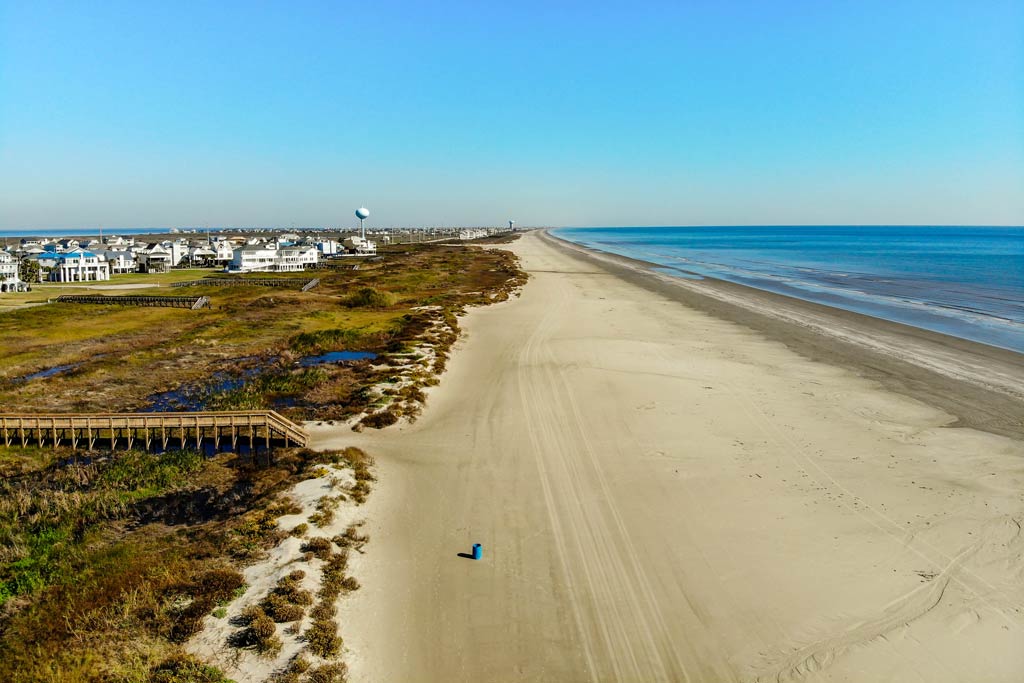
(982, 385)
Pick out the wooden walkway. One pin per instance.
(193, 302)
(85, 429)
(303, 285)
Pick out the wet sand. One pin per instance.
(682, 484)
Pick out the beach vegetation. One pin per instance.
(243, 352)
(370, 297)
(110, 561)
(182, 668)
(322, 638)
(336, 672)
(319, 546)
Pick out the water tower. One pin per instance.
(362, 213)
(511, 223)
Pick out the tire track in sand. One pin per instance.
(621, 628)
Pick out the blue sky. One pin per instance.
(468, 113)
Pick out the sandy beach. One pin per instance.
(690, 481)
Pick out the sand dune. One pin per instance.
(666, 495)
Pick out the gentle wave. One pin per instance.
(967, 282)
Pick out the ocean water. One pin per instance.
(81, 232)
(963, 281)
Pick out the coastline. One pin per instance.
(665, 494)
(982, 385)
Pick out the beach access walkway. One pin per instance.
(254, 427)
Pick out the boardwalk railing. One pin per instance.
(304, 285)
(193, 302)
(151, 428)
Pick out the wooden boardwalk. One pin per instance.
(303, 285)
(148, 429)
(193, 302)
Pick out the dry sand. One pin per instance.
(664, 494)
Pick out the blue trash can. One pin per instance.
(478, 551)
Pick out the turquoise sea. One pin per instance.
(963, 281)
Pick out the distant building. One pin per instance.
(121, 261)
(225, 251)
(265, 258)
(201, 255)
(327, 247)
(79, 265)
(9, 279)
(154, 259)
(357, 246)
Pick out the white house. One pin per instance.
(359, 247)
(225, 250)
(120, 260)
(179, 251)
(201, 254)
(265, 258)
(9, 280)
(78, 265)
(154, 259)
(327, 247)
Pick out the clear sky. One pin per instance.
(143, 113)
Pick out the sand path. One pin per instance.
(666, 496)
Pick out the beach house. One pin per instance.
(9, 280)
(268, 258)
(78, 265)
(154, 259)
(120, 260)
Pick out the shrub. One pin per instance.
(379, 420)
(329, 673)
(368, 297)
(293, 577)
(325, 511)
(284, 612)
(220, 585)
(248, 615)
(182, 668)
(323, 639)
(294, 594)
(299, 665)
(260, 634)
(299, 530)
(263, 627)
(319, 546)
(324, 610)
(352, 538)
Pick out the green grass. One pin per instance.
(43, 527)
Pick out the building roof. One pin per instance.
(78, 253)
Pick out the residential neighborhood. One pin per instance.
(96, 260)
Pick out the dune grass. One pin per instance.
(108, 565)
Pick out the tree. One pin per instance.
(29, 270)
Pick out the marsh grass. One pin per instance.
(370, 297)
(128, 354)
(102, 582)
